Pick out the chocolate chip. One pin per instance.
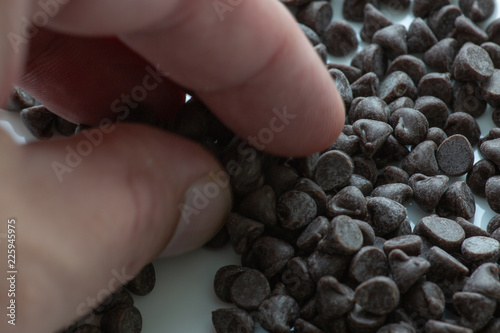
(493, 50)
(122, 319)
(342, 85)
(472, 63)
(372, 108)
(436, 134)
(299, 283)
(368, 263)
(353, 9)
(343, 237)
(396, 85)
(39, 121)
(434, 326)
(492, 190)
(371, 58)
(333, 299)
(392, 174)
(314, 191)
(250, 289)
(321, 264)
(442, 21)
(322, 52)
(349, 201)
(224, 279)
(480, 249)
(457, 200)
(64, 127)
(410, 126)
(272, 254)
(455, 156)
(420, 37)
(313, 233)
(340, 38)
(295, 209)
(316, 15)
(378, 295)
(260, 205)
(427, 191)
(386, 215)
(491, 149)
(310, 34)
(144, 282)
(359, 320)
(477, 10)
(467, 98)
(401, 193)
(333, 170)
(373, 21)
(281, 178)
(278, 313)
(422, 8)
(422, 159)
(242, 232)
(405, 270)
(411, 65)
(86, 328)
(302, 326)
(438, 85)
(465, 124)
(466, 31)
(478, 175)
(120, 298)
(367, 231)
(367, 85)
(351, 73)
(434, 109)
(441, 55)
(493, 224)
(474, 309)
(409, 244)
(366, 167)
(347, 144)
(392, 38)
(444, 266)
(441, 232)
(490, 91)
(495, 117)
(232, 320)
(470, 229)
(401, 102)
(493, 31)
(425, 299)
(19, 99)
(484, 280)
(390, 152)
(372, 134)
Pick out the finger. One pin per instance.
(102, 203)
(244, 63)
(87, 79)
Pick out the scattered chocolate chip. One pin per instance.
(340, 38)
(492, 190)
(333, 170)
(465, 124)
(457, 200)
(313, 233)
(475, 310)
(144, 282)
(441, 55)
(480, 249)
(405, 270)
(224, 279)
(438, 85)
(348, 201)
(344, 237)
(386, 215)
(455, 156)
(441, 232)
(242, 232)
(409, 244)
(424, 299)
(378, 295)
(368, 263)
(250, 289)
(373, 21)
(444, 266)
(232, 320)
(367, 85)
(420, 37)
(472, 63)
(442, 21)
(316, 15)
(122, 319)
(467, 98)
(437, 135)
(39, 121)
(434, 109)
(422, 159)
(422, 8)
(392, 38)
(371, 58)
(478, 175)
(466, 31)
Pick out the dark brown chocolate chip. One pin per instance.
(425, 299)
(122, 319)
(340, 38)
(410, 126)
(475, 310)
(465, 124)
(441, 232)
(333, 299)
(295, 2)
(422, 159)
(420, 37)
(232, 320)
(342, 85)
(472, 63)
(409, 244)
(39, 121)
(477, 10)
(295, 209)
(278, 313)
(368, 263)
(367, 85)
(467, 98)
(438, 85)
(470, 228)
(321, 264)
(392, 174)
(492, 190)
(302, 326)
(250, 289)
(373, 21)
(491, 149)
(411, 65)
(455, 156)
(405, 270)
(390, 152)
(466, 31)
(351, 73)
(313, 233)
(484, 280)
(434, 326)
(371, 58)
(386, 215)
(313, 37)
(144, 282)
(372, 134)
(19, 99)
(349, 201)
(378, 295)
(367, 231)
(392, 38)
(372, 108)
(437, 135)
(442, 21)
(224, 279)
(422, 8)
(480, 249)
(321, 51)
(308, 186)
(493, 50)
(244, 164)
(493, 224)
(495, 117)
(353, 9)
(395, 85)
(457, 200)
(444, 266)
(347, 144)
(120, 298)
(281, 178)
(434, 109)
(272, 254)
(401, 193)
(260, 205)
(316, 15)
(297, 280)
(333, 170)
(478, 175)
(64, 127)
(427, 191)
(401, 102)
(490, 90)
(366, 167)
(359, 320)
(441, 55)
(493, 31)
(343, 237)
(242, 232)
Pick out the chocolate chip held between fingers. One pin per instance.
(232, 320)
(144, 282)
(122, 319)
(340, 38)
(378, 295)
(19, 99)
(472, 63)
(39, 121)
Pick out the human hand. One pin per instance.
(119, 208)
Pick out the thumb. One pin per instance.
(93, 209)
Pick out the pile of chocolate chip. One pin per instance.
(325, 241)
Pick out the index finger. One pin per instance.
(247, 60)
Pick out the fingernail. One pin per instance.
(206, 205)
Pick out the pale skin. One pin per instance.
(119, 209)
